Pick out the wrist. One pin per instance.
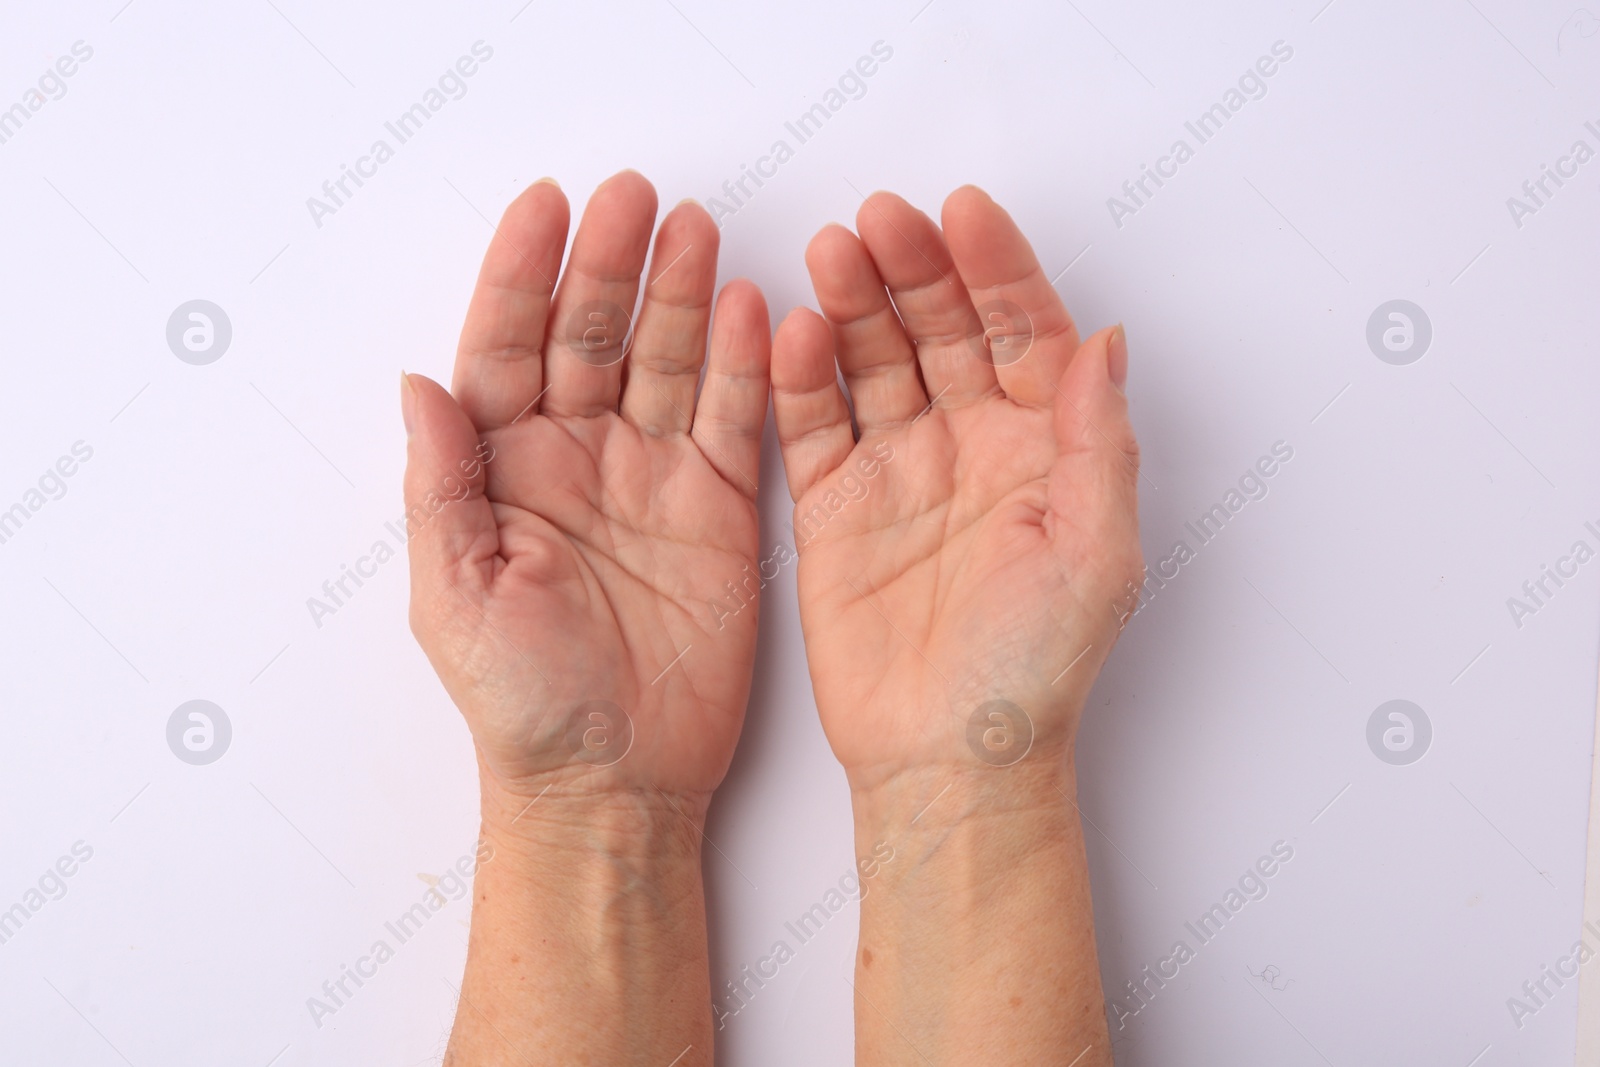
(588, 921)
(610, 876)
(940, 794)
(987, 742)
(951, 937)
(559, 818)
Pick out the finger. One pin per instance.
(450, 527)
(1096, 473)
(1030, 333)
(911, 255)
(499, 361)
(733, 403)
(669, 342)
(1092, 496)
(879, 364)
(588, 329)
(814, 431)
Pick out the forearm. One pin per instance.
(588, 940)
(977, 941)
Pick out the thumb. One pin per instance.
(1094, 485)
(449, 524)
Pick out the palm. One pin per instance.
(569, 612)
(985, 556)
(611, 542)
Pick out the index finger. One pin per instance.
(499, 371)
(1028, 334)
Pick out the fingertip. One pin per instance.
(968, 193)
(971, 217)
(744, 293)
(1088, 390)
(1090, 365)
(421, 383)
(802, 352)
(800, 314)
(525, 250)
(877, 206)
(1117, 358)
(741, 318)
(733, 400)
(626, 195)
(545, 190)
(690, 216)
(541, 200)
(444, 462)
(989, 248)
(408, 403)
(428, 407)
(889, 214)
(963, 201)
(440, 434)
(1094, 434)
(630, 180)
(813, 420)
(682, 271)
(802, 329)
(832, 252)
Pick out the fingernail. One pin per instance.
(686, 200)
(1117, 358)
(408, 401)
(548, 181)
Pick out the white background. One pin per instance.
(219, 498)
